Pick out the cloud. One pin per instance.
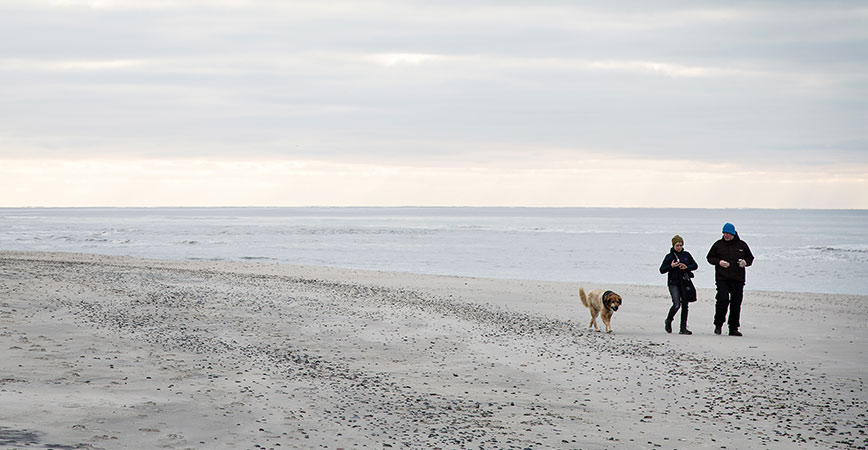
(422, 84)
(24, 65)
(394, 59)
(673, 70)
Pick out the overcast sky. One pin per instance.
(506, 102)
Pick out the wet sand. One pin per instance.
(116, 352)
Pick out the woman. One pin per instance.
(677, 264)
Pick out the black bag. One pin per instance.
(688, 291)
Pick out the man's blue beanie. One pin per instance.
(729, 228)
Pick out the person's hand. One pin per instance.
(742, 263)
(682, 266)
(724, 264)
(674, 263)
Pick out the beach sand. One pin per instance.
(117, 352)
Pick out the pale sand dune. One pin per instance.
(112, 352)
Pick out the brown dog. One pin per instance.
(601, 302)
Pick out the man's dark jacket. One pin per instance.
(731, 252)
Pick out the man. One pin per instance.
(729, 256)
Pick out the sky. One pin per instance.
(709, 104)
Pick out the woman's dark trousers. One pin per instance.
(729, 296)
(675, 292)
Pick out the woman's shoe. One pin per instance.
(668, 326)
(685, 331)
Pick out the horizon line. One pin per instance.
(427, 206)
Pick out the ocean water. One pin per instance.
(796, 250)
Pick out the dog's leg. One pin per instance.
(593, 324)
(607, 321)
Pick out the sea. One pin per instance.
(823, 251)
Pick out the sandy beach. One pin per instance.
(117, 352)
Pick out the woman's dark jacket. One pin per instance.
(731, 252)
(675, 272)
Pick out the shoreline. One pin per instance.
(125, 352)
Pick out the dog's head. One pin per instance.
(611, 300)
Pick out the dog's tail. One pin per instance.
(583, 297)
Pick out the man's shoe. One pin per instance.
(685, 331)
(668, 326)
(734, 333)
(717, 329)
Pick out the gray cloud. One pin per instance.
(405, 81)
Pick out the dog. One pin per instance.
(601, 302)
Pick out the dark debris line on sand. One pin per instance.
(12, 438)
(172, 308)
